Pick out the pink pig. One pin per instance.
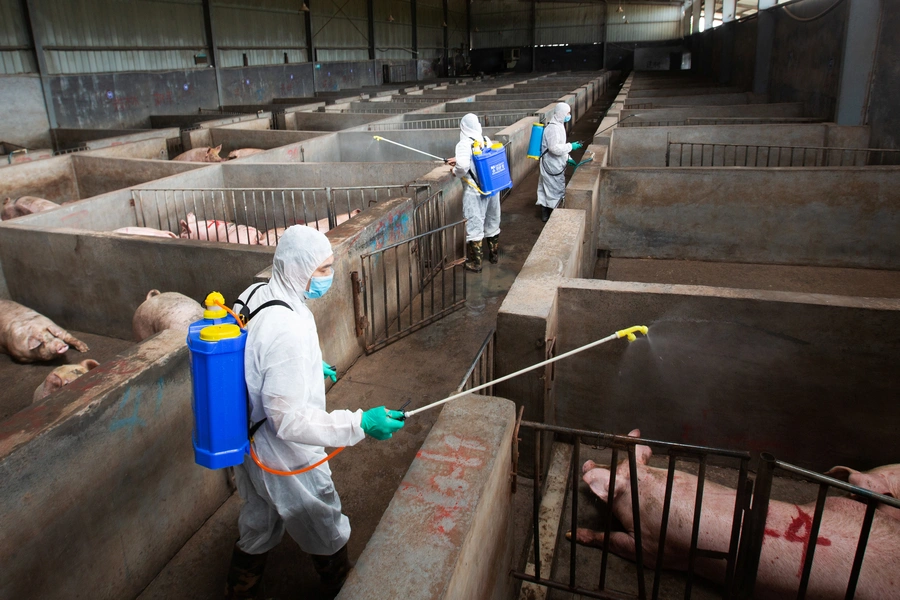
(784, 545)
(218, 231)
(204, 154)
(62, 376)
(25, 205)
(145, 231)
(28, 336)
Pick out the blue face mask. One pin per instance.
(567, 119)
(318, 286)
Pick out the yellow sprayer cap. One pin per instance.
(212, 309)
(215, 333)
(476, 152)
(537, 125)
(496, 146)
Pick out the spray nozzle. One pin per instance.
(214, 303)
(629, 333)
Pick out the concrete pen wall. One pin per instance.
(831, 216)
(101, 138)
(809, 377)
(104, 470)
(787, 109)
(647, 146)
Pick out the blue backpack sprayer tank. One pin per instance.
(222, 433)
(219, 394)
(490, 165)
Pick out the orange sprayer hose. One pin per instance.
(252, 451)
(232, 313)
(287, 473)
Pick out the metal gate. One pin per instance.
(409, 284)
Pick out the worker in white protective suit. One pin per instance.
(554, 157)
(482, 212)
(285, 383)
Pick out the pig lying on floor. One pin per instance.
(26, 205)
(784, 546)
(29, 337)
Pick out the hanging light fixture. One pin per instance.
(304, 7)
(620, 9)
(390, 18)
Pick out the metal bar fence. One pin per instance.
(256, 215)
(750, 120)
(674, 453)
(378, 111)
(397, 300)
(702, 154)
(751, 547)
(70, 150)
(482, 369)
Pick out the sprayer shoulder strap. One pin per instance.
(254, 312)
(244, 303)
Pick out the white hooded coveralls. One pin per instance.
(554, 154)
(482, 212)
(283, 369)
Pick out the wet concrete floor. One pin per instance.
(423, 367)
(18, 381)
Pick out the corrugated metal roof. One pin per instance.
(18, 56)
(643, 22)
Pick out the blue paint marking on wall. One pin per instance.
(128, 421)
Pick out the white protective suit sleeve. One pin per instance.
(283, 359)
(287, 395)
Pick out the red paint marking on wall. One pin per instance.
(798, 531)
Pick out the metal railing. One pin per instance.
(378, 111)
(482, 369)
(487, 120)
(700, 154)
(397, 297)
(174, 146)
(70, 150)
(716, 121)
(755, 530)
(627, 445)
(747, 528)
(267, 210)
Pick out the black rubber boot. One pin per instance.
(333, 570)
(245, 575)
(493, 244)
(475, 254)
(545, 213)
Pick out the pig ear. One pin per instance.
(89, 364)
(217, 149)
(33, 342)
(53, 382)
(842, 473)
(185, 228)
(152, 293)
(642, 453)
(598, 480)
(870, 482)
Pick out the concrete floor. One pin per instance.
(786, 278)
(423, 367)
(622, 574)
(18, 381)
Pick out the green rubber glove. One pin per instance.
(381, 423)
(571, 163)
(577, 145)
(329, 371)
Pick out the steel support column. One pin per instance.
(370, 15)
(695, 17)
(210, 30)
(729, 8)
(446, 8)
(858, 62)
(765, 40)
(415, 31)
(533, 35)
(310, 48)
(28, 7)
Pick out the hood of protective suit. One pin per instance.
(469, 127)
(559, 113)
(299, 253)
